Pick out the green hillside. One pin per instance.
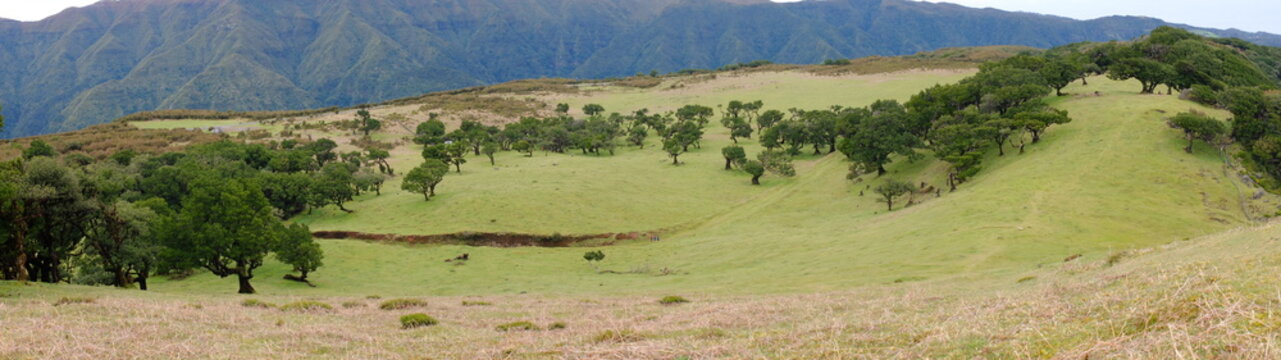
(1113, 179)
(799, 268)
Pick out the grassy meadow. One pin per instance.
(1171, 262)
(1113, 179)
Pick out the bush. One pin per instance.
(1201, 94)
(256, 303)
(616, 336)
(73, 300)
(672, 300)
(306, 306)
(417, 320)
(556, 326)
(353, 304)
(519, 325)
(397, 304)
(476, 303)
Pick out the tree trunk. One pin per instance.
(20, 262)
(675, 160)
(1058, 91)
(340, 207)
(1036, 137)
(245, 287)
(1190, 142)
(122, 277)
(491, 160)
(458, 167)
(727, 164)
(756, 179)
(142, 282)
(1000, 148)
(880, 170)
(432, 190)
(889, 203)
(1084, 81)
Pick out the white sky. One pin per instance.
(32, 10)
(1249, 15)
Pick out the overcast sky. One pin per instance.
(1249, 15)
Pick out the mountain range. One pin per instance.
(90, 65)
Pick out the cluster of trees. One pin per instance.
(1256, 126)
(1176, 58)
(773, 161)
(1002, 104)
(119, 221)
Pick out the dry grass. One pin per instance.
(1211, 298)
(101, 141)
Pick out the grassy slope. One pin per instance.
(632, 191)
(1211, 297)
(1113, 179)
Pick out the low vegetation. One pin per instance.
(417, 320)
(398, 304)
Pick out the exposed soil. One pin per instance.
(481, 239)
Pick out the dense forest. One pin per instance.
(90, 65)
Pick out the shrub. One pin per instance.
(353, 304)
(306, 305)
(256, 303)
(73, 300)
(476, 303)
(417, 320)
(1116, 258)
(556, 326)
(519, 325)
(616, 336)
(672, 300)
(397, 304)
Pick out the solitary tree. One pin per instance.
(524, 147)
(429, 132)
(594, 257)
(768, 119)
(367, 122)
(637, 135)
(754, 168)
(225, 226)
(892, 189)
(335, 184)
(489, 148)
(674, 148)
(1150, 73)
(424, 178)
(380, 156)
(297, 248)
(38, 148)
(1197, 126)
(562, 108)
(593, 109)
(734, 154)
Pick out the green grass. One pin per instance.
(1114, 179)
(778, 90)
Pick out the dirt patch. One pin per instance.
(479, 239)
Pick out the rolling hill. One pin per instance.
(1105, 239)
(89, 65)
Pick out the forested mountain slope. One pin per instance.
(90, 65)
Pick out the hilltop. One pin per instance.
(89, 65)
